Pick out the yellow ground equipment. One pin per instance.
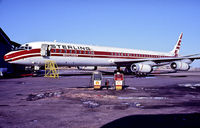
(51, 69)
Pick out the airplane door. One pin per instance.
(45, 50)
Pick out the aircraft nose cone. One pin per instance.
(6, 58)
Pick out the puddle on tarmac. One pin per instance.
(190, 85)
(142, 98)
(146, 77)
(132, 88)
(91, 104)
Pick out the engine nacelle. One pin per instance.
(141, 68)
(180, 66)
(87, 67)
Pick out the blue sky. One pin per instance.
(138, 24)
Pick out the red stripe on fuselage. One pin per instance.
(22, 52)
(24, 57)
(38, 55)
(78, 53)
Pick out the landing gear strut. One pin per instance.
(118, 70)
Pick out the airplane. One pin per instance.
(89, 56)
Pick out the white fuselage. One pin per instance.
(67, 54)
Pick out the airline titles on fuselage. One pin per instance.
(72, 47)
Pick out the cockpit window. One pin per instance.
(21, 48)
(24, 48)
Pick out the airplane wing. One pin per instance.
(193, 55)
(157, 61)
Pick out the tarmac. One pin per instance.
(71, 102)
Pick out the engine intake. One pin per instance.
(180, 66)
(141, 68)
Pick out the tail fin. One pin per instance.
(177, 47)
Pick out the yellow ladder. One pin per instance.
(51, 69)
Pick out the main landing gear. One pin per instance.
(128, 71)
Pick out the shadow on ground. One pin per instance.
(157, 121)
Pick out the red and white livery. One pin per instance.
(67, 54)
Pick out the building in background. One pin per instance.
(6, 45)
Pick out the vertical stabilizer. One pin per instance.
(177, 47)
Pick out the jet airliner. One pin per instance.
(83, 56)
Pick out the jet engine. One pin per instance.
(87, 67)
(180, 66)
(141, 68)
